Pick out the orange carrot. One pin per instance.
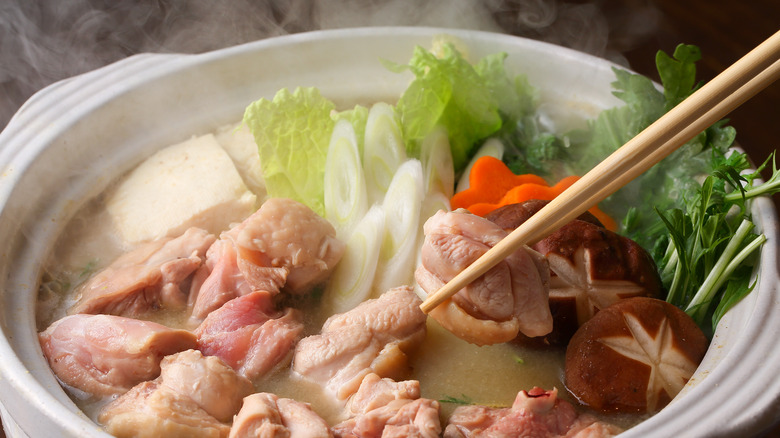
(489, 180)
(493, 185)
(522, 193)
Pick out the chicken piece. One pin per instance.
(249, 335)
(374, 337)
(217, 281)
(105, 355)
(534, 413)
(400, 418)
(266, 415)
(220, 280)
(207, 380)
(152, 410)
(375, 392)
(282, 245)
(510, 298)
(147, 278)
(190, 184)
(194, 396)
(385, 408)
(285, 234)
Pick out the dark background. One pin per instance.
(725, 31)
(42, 42)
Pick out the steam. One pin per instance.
(43, 42)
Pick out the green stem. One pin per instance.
(676, 286)
(740, 257)
(707, 289)
(673, 259)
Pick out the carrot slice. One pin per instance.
(489, 181)
(493, 185)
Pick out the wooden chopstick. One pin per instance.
(741, 81)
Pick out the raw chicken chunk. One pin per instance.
(283, 245)
(152, 410)
(266, 415)
(374, 337)
(536, 413)
(207, 380)
(402, 418)
(190, 184)
(385, 408)
(511, 297)
(194, 396)
(249, 335)
(375, 392)
(286, 234)
(148, 278)
(218, 280)
(105, 355)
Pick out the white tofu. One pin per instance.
(193, 183)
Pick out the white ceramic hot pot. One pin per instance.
(71, 139)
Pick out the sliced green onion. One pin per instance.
(384, 150)
(401, 205)
(436, 159)
(345, 185)
(350, 283)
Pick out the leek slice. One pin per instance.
(401, 205)
(436, 159)
(492, 147)
(345, 184)
(384, 150)
(350, 283)
(432, 203)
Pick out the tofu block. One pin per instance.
(193, 183)
(239, 143)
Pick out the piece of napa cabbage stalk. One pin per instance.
(402, 205)
(351, 281)
(345, 185)
(492, 147)
(383, 150)
(436, 159)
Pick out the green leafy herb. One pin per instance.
(472, 102)
(519, 360)
(699, 232)
(678, 74)
(88, 270)
(463, 400)
(706, 266)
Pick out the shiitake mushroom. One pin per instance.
(633, 356)
(591, 268)
(510, 216)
